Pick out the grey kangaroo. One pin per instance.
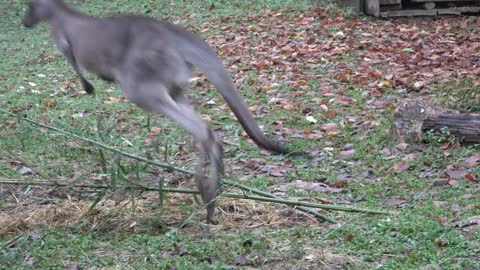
(152, 62)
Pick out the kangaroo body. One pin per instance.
(152, 62)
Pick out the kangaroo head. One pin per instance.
(39, 10)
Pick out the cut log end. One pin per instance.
(413, 118)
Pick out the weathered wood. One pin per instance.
(449, 11)
(412, 118)
(465, 127)
(421, 1)
(390, 2)
(400, 8)
(372, 7)
(391, 7)
(429, 5)
(408, 13)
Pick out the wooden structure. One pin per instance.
(402, 8)
(413, 118)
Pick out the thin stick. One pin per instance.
(269, 195)
(156, 163)
(190, 191)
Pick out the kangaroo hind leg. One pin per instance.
(173, 104)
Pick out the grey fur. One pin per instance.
(152, 62)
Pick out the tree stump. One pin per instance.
(413, 118)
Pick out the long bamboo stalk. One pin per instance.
(190, 191)
(156, 163)
(299, 205)
(148, 161)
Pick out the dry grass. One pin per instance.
(42, 208)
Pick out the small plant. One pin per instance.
(438, 137)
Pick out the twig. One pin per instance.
(190, 191)
(156, 163)
(269, 195)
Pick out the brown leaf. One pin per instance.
(402, 146)
(313, 134)
(471, 177)
(331, 114)
(241, 260)
(10, 123)
(401, 166)
(409, 157)
(395, 202)
(455, 174)
(344, 100)
(473, 161)
(439, 203)
(347, 152)
(453, 183)
(442, 243)
(442, 220)
(440, 182)
(329, 127)
(49, 104)
(276, 173)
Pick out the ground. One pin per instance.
(316, 79)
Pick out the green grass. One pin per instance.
(417, 234)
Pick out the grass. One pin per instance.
(53, 229)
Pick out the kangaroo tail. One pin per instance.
(197, 52)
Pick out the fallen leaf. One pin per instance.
(439, 203)
(10, 123)
(347, 152)
(470, 177)
(473, 161)
(329, 127)
(396, 202)
(112, 100)
(453, 183)
(440, 182)
(241, 260)
(401, 166)
(402, 146)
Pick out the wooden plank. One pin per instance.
(390, 2)
(449, 11)
(421, 1)
(408, 13)
(468, 9)
(458, 10)
(391, 7)
(372, 7)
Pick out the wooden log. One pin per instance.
(466, 127)
(412, 118)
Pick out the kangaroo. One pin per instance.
(152, 62)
